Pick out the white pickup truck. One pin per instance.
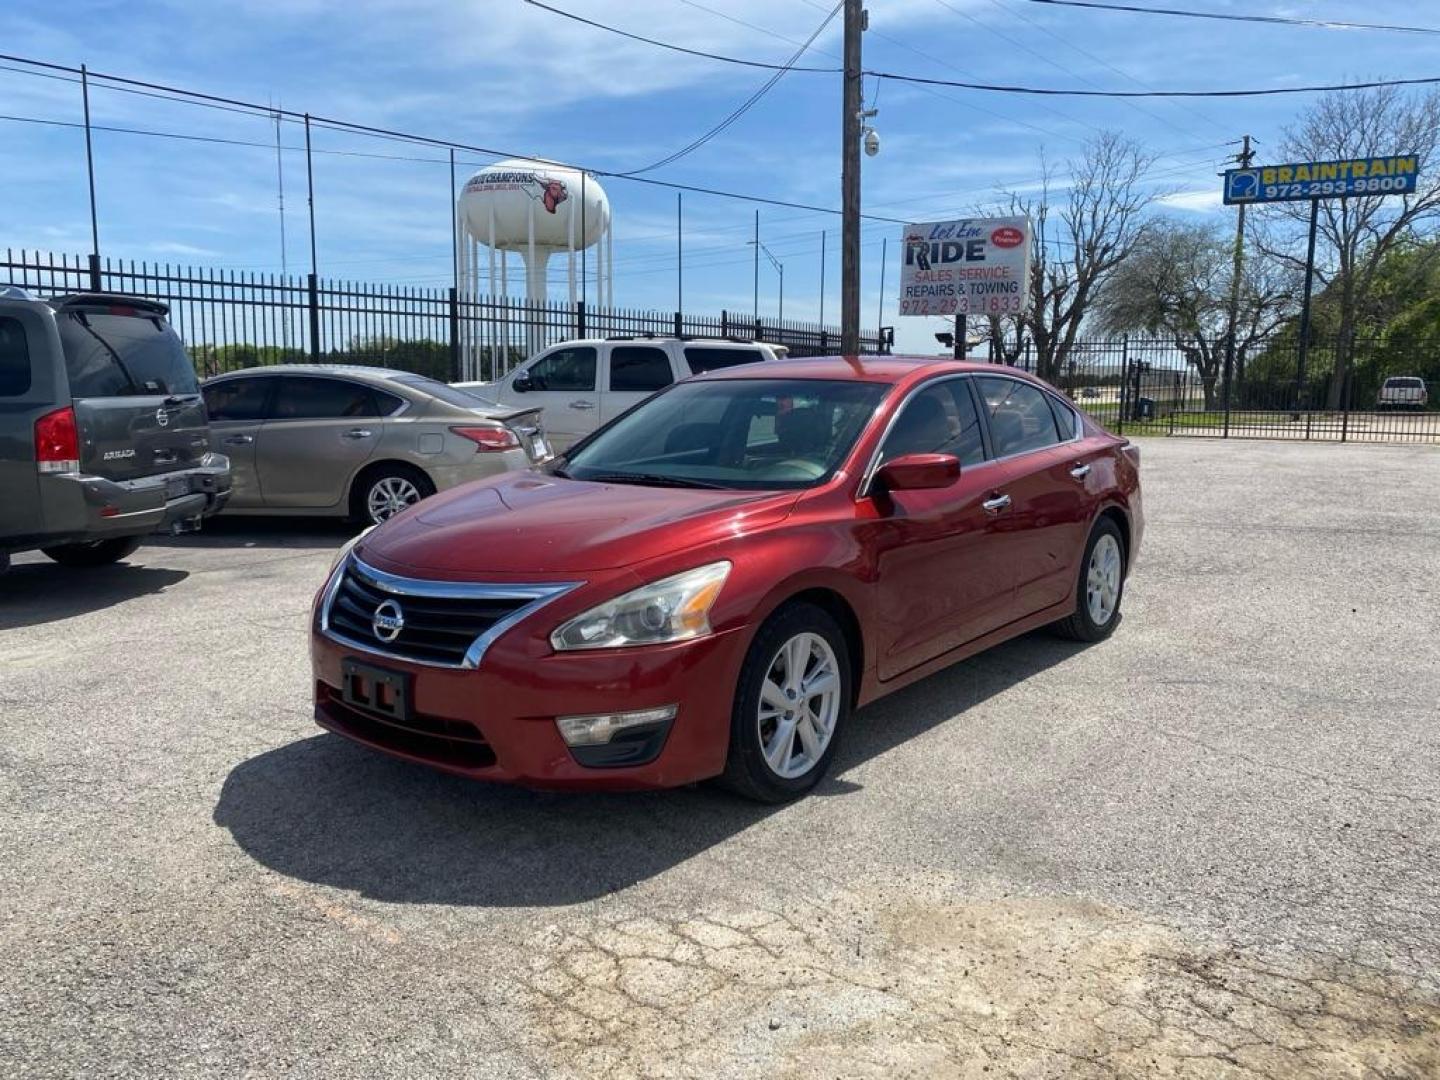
(1402, 392)
(583, 384)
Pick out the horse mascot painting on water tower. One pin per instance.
(538, 209)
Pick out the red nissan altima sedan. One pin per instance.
(710, 585)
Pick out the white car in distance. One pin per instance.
(585, 383)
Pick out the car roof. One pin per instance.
(348, 370)
(884, 369)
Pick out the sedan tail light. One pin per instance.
(489, 439)
(57, 442)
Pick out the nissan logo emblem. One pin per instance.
(388, 621)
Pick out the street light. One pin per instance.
(780, 269)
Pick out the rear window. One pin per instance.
(109, 355)
(14, 359)
(451, 395)
(1404, 384)
(704, 359)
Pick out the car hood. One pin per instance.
(524, 523)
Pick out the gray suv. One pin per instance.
(103, 435)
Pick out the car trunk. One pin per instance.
(137, 402)
(527, 424)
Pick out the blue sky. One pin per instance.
(502, 74)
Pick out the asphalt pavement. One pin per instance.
(1206, 847)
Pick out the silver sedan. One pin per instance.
(358, 442)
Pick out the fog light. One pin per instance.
(600, 729)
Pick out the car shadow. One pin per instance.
(34, 593)
(327, 811)
(261, 532)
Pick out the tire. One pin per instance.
(96, 553)
(1095, 621)
(748, 772)
(381, 492)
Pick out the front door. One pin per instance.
(564, 383)
(940, 577)
(320, 431)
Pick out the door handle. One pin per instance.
(1079, 472)
(358, 433)
(238, 440)
(995, 505)
(582, 404)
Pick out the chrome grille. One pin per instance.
(446, 624)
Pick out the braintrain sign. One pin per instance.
(1301, 180)
(974, 266)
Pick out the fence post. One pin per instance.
(314, 318)
(455, 374)
(1346, 391)
(579, 318)
(724, 323)
(94, 272)
(679, 325)
(759, 334)
(1124, 379)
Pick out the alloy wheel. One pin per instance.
(388, 496)
(1102, 580)
(799, 705)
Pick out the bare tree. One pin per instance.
(1176, 285)
(1361, 230)
(1078, 244)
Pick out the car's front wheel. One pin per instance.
(95, 553)
(384, 491)
(1101, 585)
(793, 699)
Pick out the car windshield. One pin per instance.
(108, 354)
(731, 433)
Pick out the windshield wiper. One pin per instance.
(652, 479)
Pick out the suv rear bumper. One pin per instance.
(78, 507)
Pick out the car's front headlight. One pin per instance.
(675, 608)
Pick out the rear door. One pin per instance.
(237, 409)
(137, 402)
(633, 373)
(24, 397)
(319, 431)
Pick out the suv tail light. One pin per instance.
(489, 438)
(57, 442)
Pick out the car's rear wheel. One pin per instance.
(384, 491)
(791, 703)
(1101, 585)
(95, 553)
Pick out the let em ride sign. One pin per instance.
(974, 266)
(1393, 175)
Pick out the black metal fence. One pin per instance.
(234, 319)
(1332, 393)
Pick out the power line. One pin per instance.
(678, 48)
(745, 107)
(1046, 91)
(1277, 20)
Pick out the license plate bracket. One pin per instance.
(177, 487)
(376, 690)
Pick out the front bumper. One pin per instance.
(78, 507)
(497, 722)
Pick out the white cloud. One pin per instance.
(1202, 201)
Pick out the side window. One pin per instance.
(565, 369)
(702, 359)
(1019, 415)
(14, 359)
(940, 419)
(237, 399)
(1064, 419)
(303, 398)
(386, 404)
(639, 367)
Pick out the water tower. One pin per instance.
(538, 209)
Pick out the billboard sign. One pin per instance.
(973, 266)
(1301, 180)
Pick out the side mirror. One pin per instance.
(918, 472)
(521, 384)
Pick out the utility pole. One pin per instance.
(90, 171)
(755, 316)
(1245, 157)
(850, 183)
(822, 280)
(680, 251)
